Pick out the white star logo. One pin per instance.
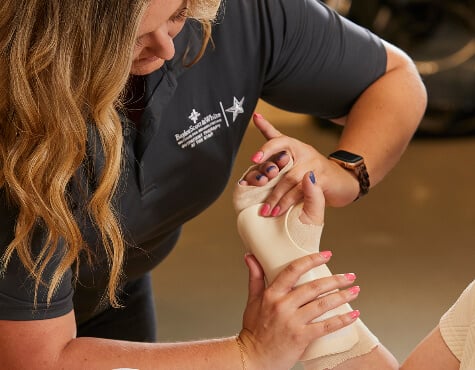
(236, 109)
(194, 116)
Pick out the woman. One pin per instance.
(64, 65)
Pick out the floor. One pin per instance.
(411, 243)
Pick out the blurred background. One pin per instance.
(411, 241)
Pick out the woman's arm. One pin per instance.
(431, 354)
(378, 359)
(276, 330)
(382, 122)
(378, 127)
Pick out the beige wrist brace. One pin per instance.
(277, 241)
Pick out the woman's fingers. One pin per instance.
(316, 308)
(257, 283)
(287, 278)
(317, 290)
(265, 127)
(324, 327)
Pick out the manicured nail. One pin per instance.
(258, 177)
(326, 254)
(312, 178)
(257, 157)
(275, 211)
(350, 276)
(281, 155)
(355, 314)
(258, 115)
(265, 210)
(270, 168)
(354, 289)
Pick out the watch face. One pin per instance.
(345, 156)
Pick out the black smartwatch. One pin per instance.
(354, 163)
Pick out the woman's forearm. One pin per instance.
(385, 117)
(51, 344)
(97, 353)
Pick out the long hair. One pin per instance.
(204, 11)
(63, 66)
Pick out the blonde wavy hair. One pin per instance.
(63, 66)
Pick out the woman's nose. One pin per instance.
(162, 44)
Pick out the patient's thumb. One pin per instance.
(313, 210)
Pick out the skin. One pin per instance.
(431, 354)
(378, 359)
(378, 127)
(160, 24)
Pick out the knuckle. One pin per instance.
(292, 268)
(333, 324)
(268, 295)
(279, 308)
(323, 304)
(296, 336)
(328, 327)
(337, 323)
(340, 321)
(276, 308)
(316, 287)
(314, 259)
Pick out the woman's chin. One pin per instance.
(146, 66)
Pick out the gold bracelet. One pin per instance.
(242, 351)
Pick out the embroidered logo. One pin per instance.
(204, 128)
(236, 109)
(194, 116)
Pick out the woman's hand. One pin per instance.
(277, 324)
(339, 186)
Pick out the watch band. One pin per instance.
(354, 163)
(363, 179)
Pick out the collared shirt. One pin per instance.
(295, 54)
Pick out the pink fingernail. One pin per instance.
(257, 157)
(265, 210)
(275, 211)
(355, 314)
(326, 254)
(354, 289)
(258, 115)
(350, 276)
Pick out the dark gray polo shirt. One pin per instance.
(295, 54)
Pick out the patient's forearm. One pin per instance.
(378, 359)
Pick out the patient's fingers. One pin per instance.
(313, 211)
